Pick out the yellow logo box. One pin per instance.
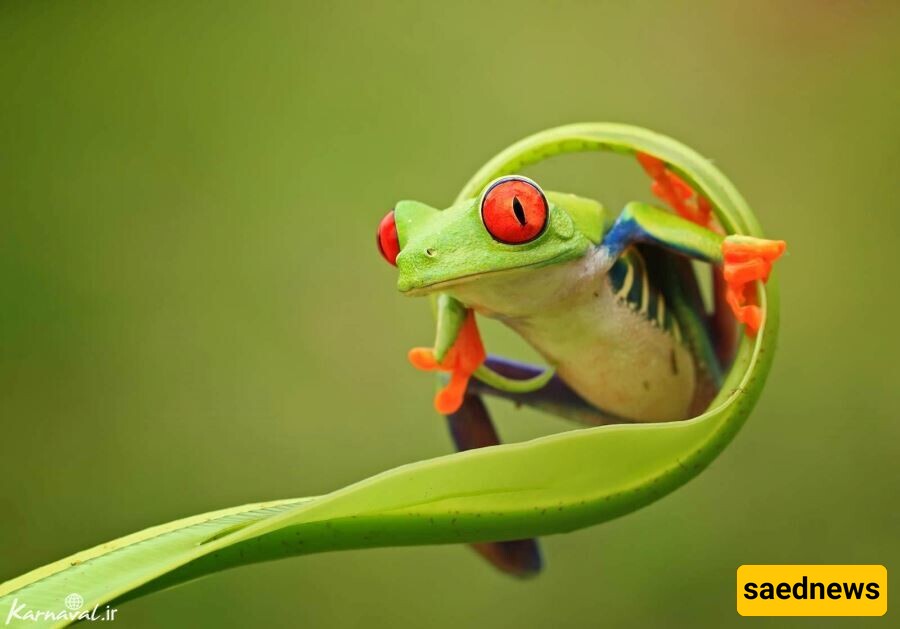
(812, 590)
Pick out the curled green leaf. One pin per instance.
(550, 485)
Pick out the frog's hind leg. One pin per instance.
(555, 397)
(471, 427)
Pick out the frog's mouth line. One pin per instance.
(465, 279)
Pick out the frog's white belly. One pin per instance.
(609, 353)
(616, 359)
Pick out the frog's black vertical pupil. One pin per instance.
(519, 211)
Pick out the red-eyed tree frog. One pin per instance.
(611, 303)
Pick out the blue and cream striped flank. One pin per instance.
(632, 285)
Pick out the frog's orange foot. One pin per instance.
(461, 361)
(746, 260)
(675, 191)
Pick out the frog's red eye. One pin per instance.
(388, 242)
(514, 210)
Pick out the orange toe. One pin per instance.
(450, 398)
(752, 317)
(423, 358)
(743, 272)
(743, 248)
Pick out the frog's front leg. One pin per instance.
(458, 349)
(744, 259)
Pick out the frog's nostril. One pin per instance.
(387, 239)
(429, 252)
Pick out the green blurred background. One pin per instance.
(193, 314)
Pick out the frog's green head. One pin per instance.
(512, 225)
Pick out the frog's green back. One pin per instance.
(589, 216)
